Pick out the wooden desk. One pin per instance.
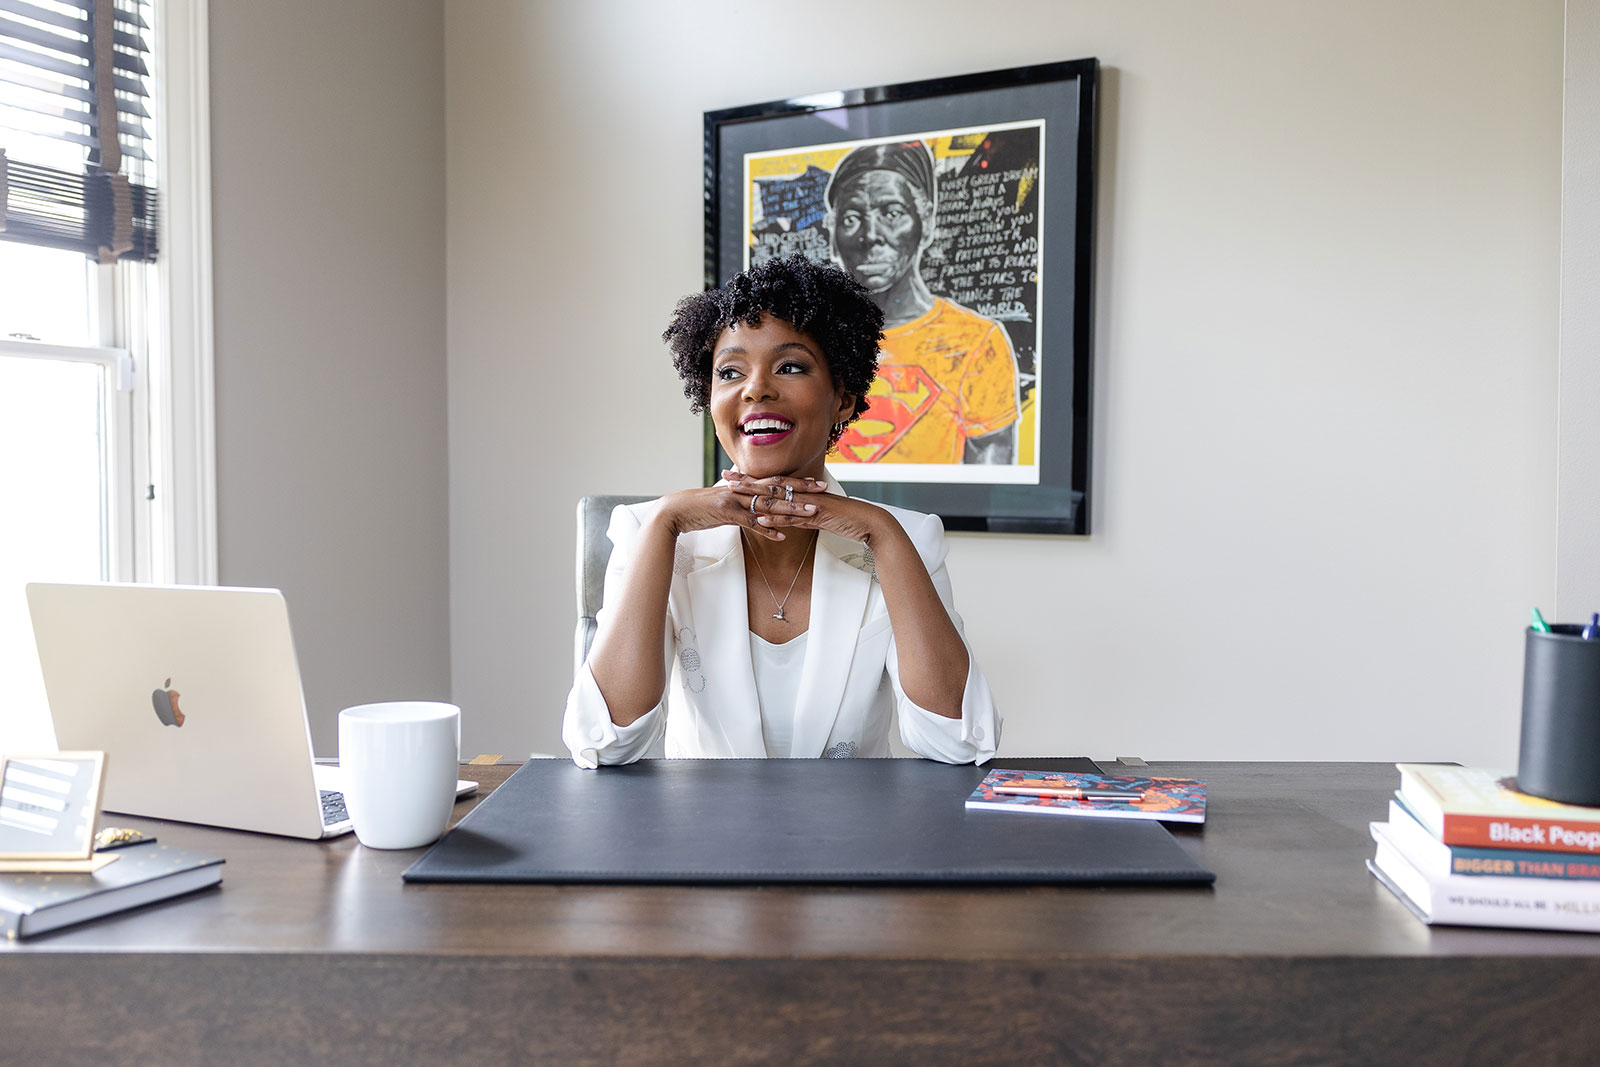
(312, 952)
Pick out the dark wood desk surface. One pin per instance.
(314, 951)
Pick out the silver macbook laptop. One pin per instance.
(194, 694)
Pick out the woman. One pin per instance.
(795, 621)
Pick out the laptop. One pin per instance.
(193, 693)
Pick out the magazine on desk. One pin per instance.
(1180, 800)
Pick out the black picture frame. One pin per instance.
(1048, 110)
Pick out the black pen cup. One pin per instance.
(1559, 757)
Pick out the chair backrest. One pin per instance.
(594, 551)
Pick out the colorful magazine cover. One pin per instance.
(1162, 799)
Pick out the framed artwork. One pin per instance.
(965, 205)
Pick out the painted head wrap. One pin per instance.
(909, 159)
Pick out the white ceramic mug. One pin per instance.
(398, 762)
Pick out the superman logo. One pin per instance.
(898, 398)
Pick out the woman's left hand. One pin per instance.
(856, 520)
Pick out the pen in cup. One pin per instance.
(1539, 625)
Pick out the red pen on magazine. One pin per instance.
(1059, 787)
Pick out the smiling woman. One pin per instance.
(783, 374)
(865, 628)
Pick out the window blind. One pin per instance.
(77, 167)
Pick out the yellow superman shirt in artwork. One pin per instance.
(942, 377)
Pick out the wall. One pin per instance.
(1577, 561)
(1325, 353)
(328, 186)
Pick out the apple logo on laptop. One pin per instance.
(165, 700)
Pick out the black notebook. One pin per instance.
(842, 821)
(142, 874)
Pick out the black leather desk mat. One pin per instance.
(840, 821)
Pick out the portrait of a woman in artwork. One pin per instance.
(943, 232)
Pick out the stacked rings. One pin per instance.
(788, 493)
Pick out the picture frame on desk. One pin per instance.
(49, 808)
(981, 413)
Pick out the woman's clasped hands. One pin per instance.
(768, 506)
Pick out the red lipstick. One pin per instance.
(762, 428)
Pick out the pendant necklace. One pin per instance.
(762, 571)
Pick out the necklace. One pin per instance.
(762, 571)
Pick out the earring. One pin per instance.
(838, 428)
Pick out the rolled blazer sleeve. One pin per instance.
(974, 737)
(586, 728)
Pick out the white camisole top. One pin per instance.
(777, 669)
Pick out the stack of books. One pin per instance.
(1463, 847)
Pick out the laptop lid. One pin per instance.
(194, 694)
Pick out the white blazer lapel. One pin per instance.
(839, 595)
(720, 618)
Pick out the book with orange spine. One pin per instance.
(1483, 809)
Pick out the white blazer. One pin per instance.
(849, 686)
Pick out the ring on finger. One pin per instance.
(788, 494)
(753, 505)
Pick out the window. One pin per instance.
(66, 416)
(105, 450)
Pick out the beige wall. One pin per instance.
(1578, 554)
(328, 193)
(1326, 337)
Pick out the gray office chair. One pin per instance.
(594, 551)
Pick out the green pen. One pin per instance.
(1539, 624)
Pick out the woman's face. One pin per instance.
(773, 400)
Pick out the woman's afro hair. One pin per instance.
(816, 299)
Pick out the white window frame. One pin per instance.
(122, 455)
(182, 391)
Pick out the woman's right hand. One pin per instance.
(726, 505)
